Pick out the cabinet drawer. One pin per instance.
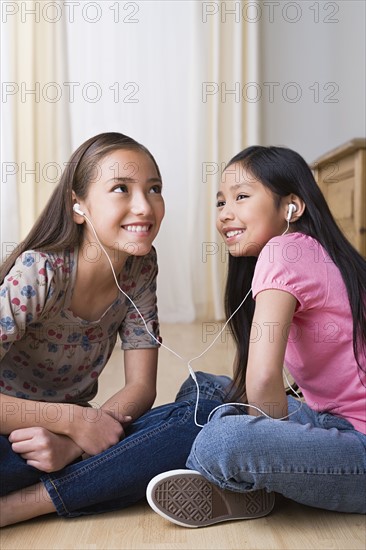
(341, 175)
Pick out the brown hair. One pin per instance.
(55, 229)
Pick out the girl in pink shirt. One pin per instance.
(307, 312)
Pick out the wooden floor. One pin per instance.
(290, 526)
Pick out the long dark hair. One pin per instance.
(284, 171)
(55, 229)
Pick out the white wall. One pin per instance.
(322, 51)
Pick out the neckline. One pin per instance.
(74, 255)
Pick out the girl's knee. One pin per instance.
(212, 447)
(210, 387)
(228, 441)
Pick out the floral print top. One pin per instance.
(49, 354)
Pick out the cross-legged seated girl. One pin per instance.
(307, 312)
(61, 312)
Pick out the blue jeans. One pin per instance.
(316, 459)
(159, 440)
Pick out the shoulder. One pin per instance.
(140, 273)
(33, 285)
(41, 269)
(296, 263)
(30, 264)
(292, 249)
(291, 253)
(142, 266)
(53, 262)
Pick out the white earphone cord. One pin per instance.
(191, 371)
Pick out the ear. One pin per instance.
(300, 207)
(76, 217)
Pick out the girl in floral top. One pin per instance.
(61, 312)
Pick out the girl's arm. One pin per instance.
(93, 430)
(139, 392)
(17, 413)
(46, 448)
(272, 318)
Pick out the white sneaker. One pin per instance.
(186, 498)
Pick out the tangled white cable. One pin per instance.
(191, 371)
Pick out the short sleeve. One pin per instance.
(142, 277)
(23, 296)
(292, 263)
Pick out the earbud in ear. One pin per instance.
(291, 209)
(76, 208)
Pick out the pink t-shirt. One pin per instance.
(319, 353)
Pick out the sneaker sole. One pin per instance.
(186, 498)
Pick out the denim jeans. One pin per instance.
(159, 440)
(317, 459)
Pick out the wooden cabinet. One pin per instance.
(341, 175)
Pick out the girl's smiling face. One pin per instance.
(124, 203)
(247, 213)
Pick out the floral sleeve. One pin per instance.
(132, 331)
(23, 295)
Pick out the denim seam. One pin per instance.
(65, 510)
(226, 484)
(297, 472)
(117, 451)
(306, 472)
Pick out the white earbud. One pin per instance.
(76, 208)
(291, 209)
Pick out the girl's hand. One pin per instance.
(125, 421)
(117, 415)
(95, 430)
(43, 449)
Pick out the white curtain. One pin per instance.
(9, 209)
(171, 74)
(224, 122)
(35, 120)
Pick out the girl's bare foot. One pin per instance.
(25, 504)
